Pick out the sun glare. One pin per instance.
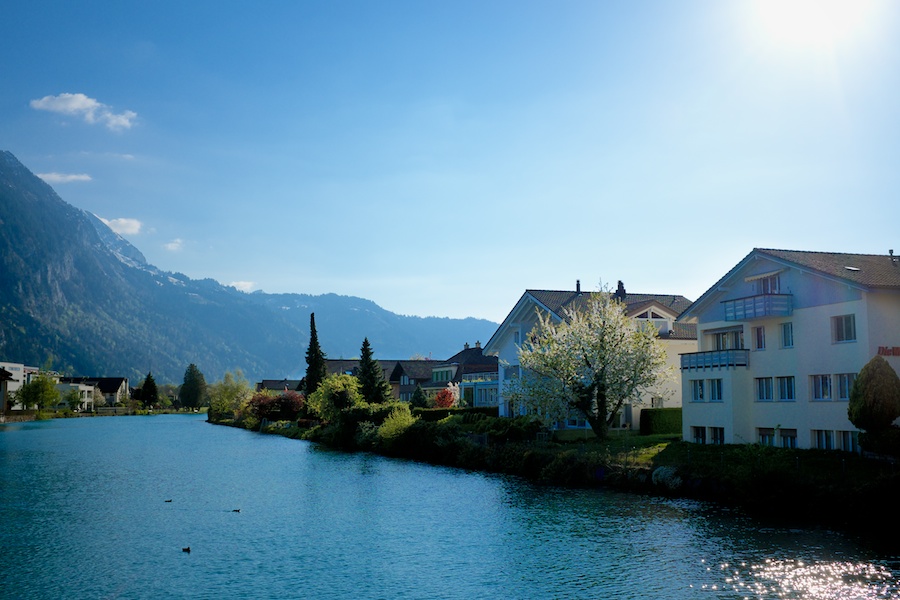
(811, 25)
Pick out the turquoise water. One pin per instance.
(84, 514)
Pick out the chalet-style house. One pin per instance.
(473, 371)
(659, 309)
(781, 338)
(406, 375)
(279, 386)
(113, 389)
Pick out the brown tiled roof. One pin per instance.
(419, 370)
(279, 385)
(869, 270)
(558, 301)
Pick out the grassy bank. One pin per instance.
(801, 487)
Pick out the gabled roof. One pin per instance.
(866, 271)
(279, 385)
(5, 375)
(107, 385)
(558, 302)
(419, 370)
(869, 270)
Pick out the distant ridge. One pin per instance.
(75, 292)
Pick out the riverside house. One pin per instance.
(659, 309)
(782, 336)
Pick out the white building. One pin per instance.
(660, 309)
(781, 339)
(21, 374)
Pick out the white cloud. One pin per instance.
(64, 177)
(175, 245)
(123, 226)
(89, 109)
(243, 286)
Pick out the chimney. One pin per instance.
(620, 291)
(466, 346)
(577, 286)
(477, 344)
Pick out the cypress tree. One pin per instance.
(372, 386)
(419, 399)
(193, 390)
(316, 370)
(149, 391)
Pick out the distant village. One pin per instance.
(767, 355)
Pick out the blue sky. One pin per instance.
(441, 157)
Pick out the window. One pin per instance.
(516, 337)
(768, 285)
(765, 436)
(787, 335)
(656, 402)
(786, 389)
(823, 438)
(843, 328)
(845, 384)
(821, 387)
(729, 340)
(404, 380)
(849, 440)
(788, 438)
(763, 389)
(717, 435)
(759, 338)
(696, 390)
(715, 390)
(699, 434)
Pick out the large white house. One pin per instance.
(660, 309)
(781, 339)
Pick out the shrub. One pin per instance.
(335, 393)
(660, 421)
(443, 399)
(875, 397)
(395, 425)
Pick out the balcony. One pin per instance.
(715, 358)
(757, 307)
(491, 376)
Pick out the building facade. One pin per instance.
(659, 309)
(782, 337)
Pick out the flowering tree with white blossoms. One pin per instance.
(592, 362)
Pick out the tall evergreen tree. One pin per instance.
(193, 390)
(149, 391)
(316, 370)
(372, 386)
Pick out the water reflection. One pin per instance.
(84, 514)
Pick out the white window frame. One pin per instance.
(764, 389)
(845, 385)
(715, 390)
(787, 438)
(820, 388)
(697, 390)
(759, 338)
(843, 329)
(787, 334)
(787, 389)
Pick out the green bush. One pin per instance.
(875, 397)
(656, 421)
(395, 425)
(886, 441)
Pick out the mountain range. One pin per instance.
(79, 297)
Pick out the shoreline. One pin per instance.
(801, 488)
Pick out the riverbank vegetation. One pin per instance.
(832, 488)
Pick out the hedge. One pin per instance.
(656, 421)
